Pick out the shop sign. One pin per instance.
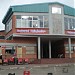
(70, 32)
(32, 31)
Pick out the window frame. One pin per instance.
(32, 20)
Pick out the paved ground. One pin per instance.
(61, 69)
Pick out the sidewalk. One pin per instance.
(43, 69)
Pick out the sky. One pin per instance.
(5, 4)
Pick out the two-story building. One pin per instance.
(39, 31)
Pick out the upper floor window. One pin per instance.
(31, 21)
(9, 25)
(56, 10)
(69, 23)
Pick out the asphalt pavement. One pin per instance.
(39, 69)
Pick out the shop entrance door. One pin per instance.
(45, 49)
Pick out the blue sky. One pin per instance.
(4, 5)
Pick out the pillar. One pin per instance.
(49, 49)
(69, 42)
(39, 52)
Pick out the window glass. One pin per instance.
(30, 18)
(23, 23)
(41, 21)
(73, 27)
(18, 16)
(67, 49)
(66, 23)
(56, 10)
(46, 21)
(30, 50)
(18, 23)
(32, 21)
(9, 25)
(35, 18)
(9, 50)
(35, 24)
(69, 23)
(74, 24)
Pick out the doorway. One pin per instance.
(57, 49)
(45, 49)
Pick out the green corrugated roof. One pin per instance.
(69, 10)
(40, 7)
(31, 8)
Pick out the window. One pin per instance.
(66, 23)
(31, 21)
(67, 49)
(69, 23)
(30, 50)
(56, 10)
(2, 37)
(45, 21)
(41, 19)
(9, 50)
(18, 21)
(9, 25)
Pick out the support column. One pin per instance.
(69, 41)
(39, 52)
(49, 49)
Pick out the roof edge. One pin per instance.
(7, 13)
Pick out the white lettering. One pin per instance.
(37, 31)
(31, 31)
(70, 32)
(23, 31)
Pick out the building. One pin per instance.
(39, 31)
